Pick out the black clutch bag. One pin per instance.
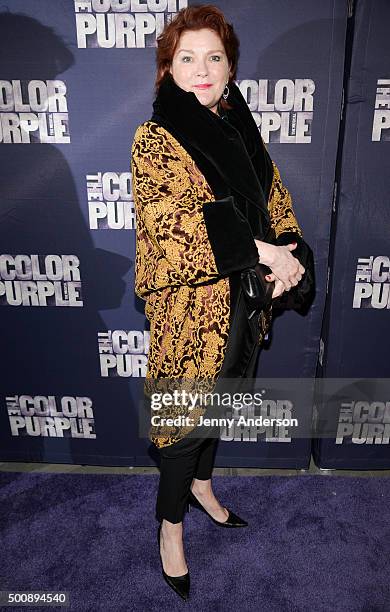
(257, 290)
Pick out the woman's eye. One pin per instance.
(187, 58)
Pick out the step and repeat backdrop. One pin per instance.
(355, 337)
(77, 78)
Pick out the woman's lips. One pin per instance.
(205, 86)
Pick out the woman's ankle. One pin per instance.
(201, 487)
(168, 528)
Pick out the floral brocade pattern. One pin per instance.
(187, 301)
(280, 207)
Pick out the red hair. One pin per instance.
(196, 17)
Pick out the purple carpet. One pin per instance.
(313, 543)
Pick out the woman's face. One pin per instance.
(200, 65)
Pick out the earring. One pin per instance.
(225, 94)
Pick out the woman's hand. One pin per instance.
(279, 286)
(287, 271)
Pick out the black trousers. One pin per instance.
(180, 463)
(193, 457)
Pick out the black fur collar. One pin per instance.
(228, 151)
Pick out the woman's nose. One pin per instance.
(201, 69)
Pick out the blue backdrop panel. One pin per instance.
(75, 84)
(357, 326)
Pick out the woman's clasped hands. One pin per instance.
(287, 271)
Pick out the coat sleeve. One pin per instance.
(287, 230)
(198, 240)
(280, 207)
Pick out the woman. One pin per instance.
(207, 195)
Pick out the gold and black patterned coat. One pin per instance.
(179, 269)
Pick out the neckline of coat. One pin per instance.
(214, 136)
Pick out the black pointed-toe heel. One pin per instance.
(180, 584)
(232, 520)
